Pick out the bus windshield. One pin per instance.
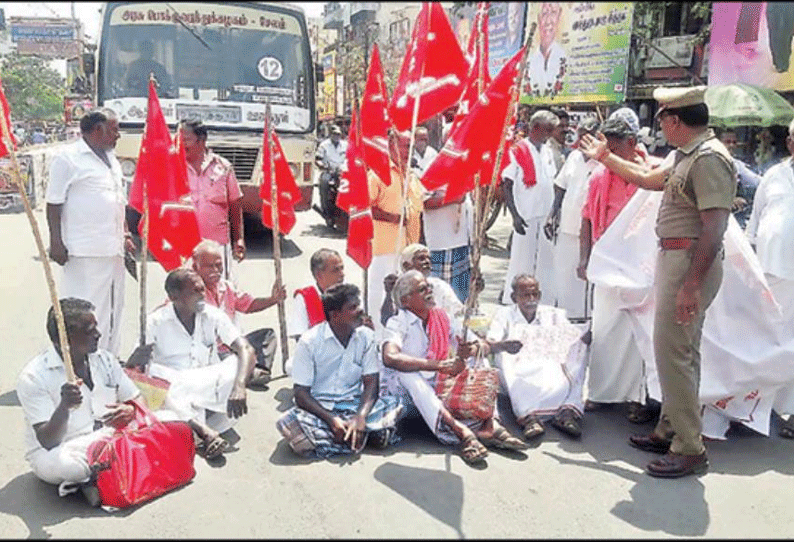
(212, 61)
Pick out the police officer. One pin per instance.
(699, 184)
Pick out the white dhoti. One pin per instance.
(67, 463)
(783, 290)
(617, 369)
(570, 288)
(100, 281)
(380, 266)
(201, 393)
(532, 253)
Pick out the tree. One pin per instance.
(34, 90)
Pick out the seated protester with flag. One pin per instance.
(64, 418)
(416, 347)
(215, 193)
(542, 360)
(527, 187)
(335, 373)
(387, 204)
(617, 369)
(182, 347)
(221, 293)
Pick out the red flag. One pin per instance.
(375, 120)
(173, 230)
(353, 198)
(473, 143)
(7, 120)
(434, 56)
(288, 193)
(479, 63)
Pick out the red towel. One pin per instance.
(438, 334)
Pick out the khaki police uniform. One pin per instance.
(703, 177)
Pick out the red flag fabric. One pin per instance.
(473, 143)
(434, 68)
(479, 63)
(353, 198)
(375, 120)
(7, 120)
(288, 193)
(173, 230)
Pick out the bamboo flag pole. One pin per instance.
(56, 305)
(282, 324)
(480, 227)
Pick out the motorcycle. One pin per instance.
(335, 218)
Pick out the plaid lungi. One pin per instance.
(453, 266)
(310, 436)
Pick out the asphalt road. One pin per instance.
(591, 488)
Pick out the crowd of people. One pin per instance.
(358, 371)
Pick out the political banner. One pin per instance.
(751, 43)
(579, 52)
(506, 24)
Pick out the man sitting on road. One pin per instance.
(336, 381)
(416, 344)
(221, 293)
(63, 418)
(541, 359)
(182, 343)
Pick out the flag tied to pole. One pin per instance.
(375, 120)
(474, 141)
(7, 119)
(434, 69)
(288, 193)
(353, 198)
(173, 229)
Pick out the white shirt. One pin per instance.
(543, 74)
(535, 201)
(333, 156)
(506, 319)
(547, 155)
(39, 392)
(771, 224)
(332, 371)
(93, 199)
(298, 321)
(574, 178)
(422, 162)
(406, 331)
(445, 298)
(449, 226)
(175, 348)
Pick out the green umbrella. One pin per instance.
(738, 104)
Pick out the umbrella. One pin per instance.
(738, 104)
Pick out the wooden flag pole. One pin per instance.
(282, 323)
(480, 226)
(56, 305)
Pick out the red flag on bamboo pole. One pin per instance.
(7, 119)
(375, 120)
(434, 68)
(353, 198)
(478, 71)
(473, 143)
(288, 192)
(173, 230)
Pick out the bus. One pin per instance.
(218, 62)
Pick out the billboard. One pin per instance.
(47, 37)
(327, 100)
(744, 48)
(506, 23)
(578, 53)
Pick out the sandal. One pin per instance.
(502, 438)
(569, 422)
(472, 450)
(212, 448)
(533, 428)
(786, 429)
(639, 413)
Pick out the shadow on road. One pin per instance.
(437, 492)
(9, 398)
(38, 505)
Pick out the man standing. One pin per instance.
(215, 194)
(556, 145)
(85, 215)
(771, 232)
(336, 383)
(698, 188)
(527, 186)
(388, 202)
(747, 184)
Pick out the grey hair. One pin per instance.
(588, 125)
(207, 246)
(405, 282)
(520, 276)
(408, 253)
(543, 117)
(319, 258)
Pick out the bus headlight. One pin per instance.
(128, 167)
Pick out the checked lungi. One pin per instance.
(310, 436)
(454, 267)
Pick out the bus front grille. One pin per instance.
(242, 160)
